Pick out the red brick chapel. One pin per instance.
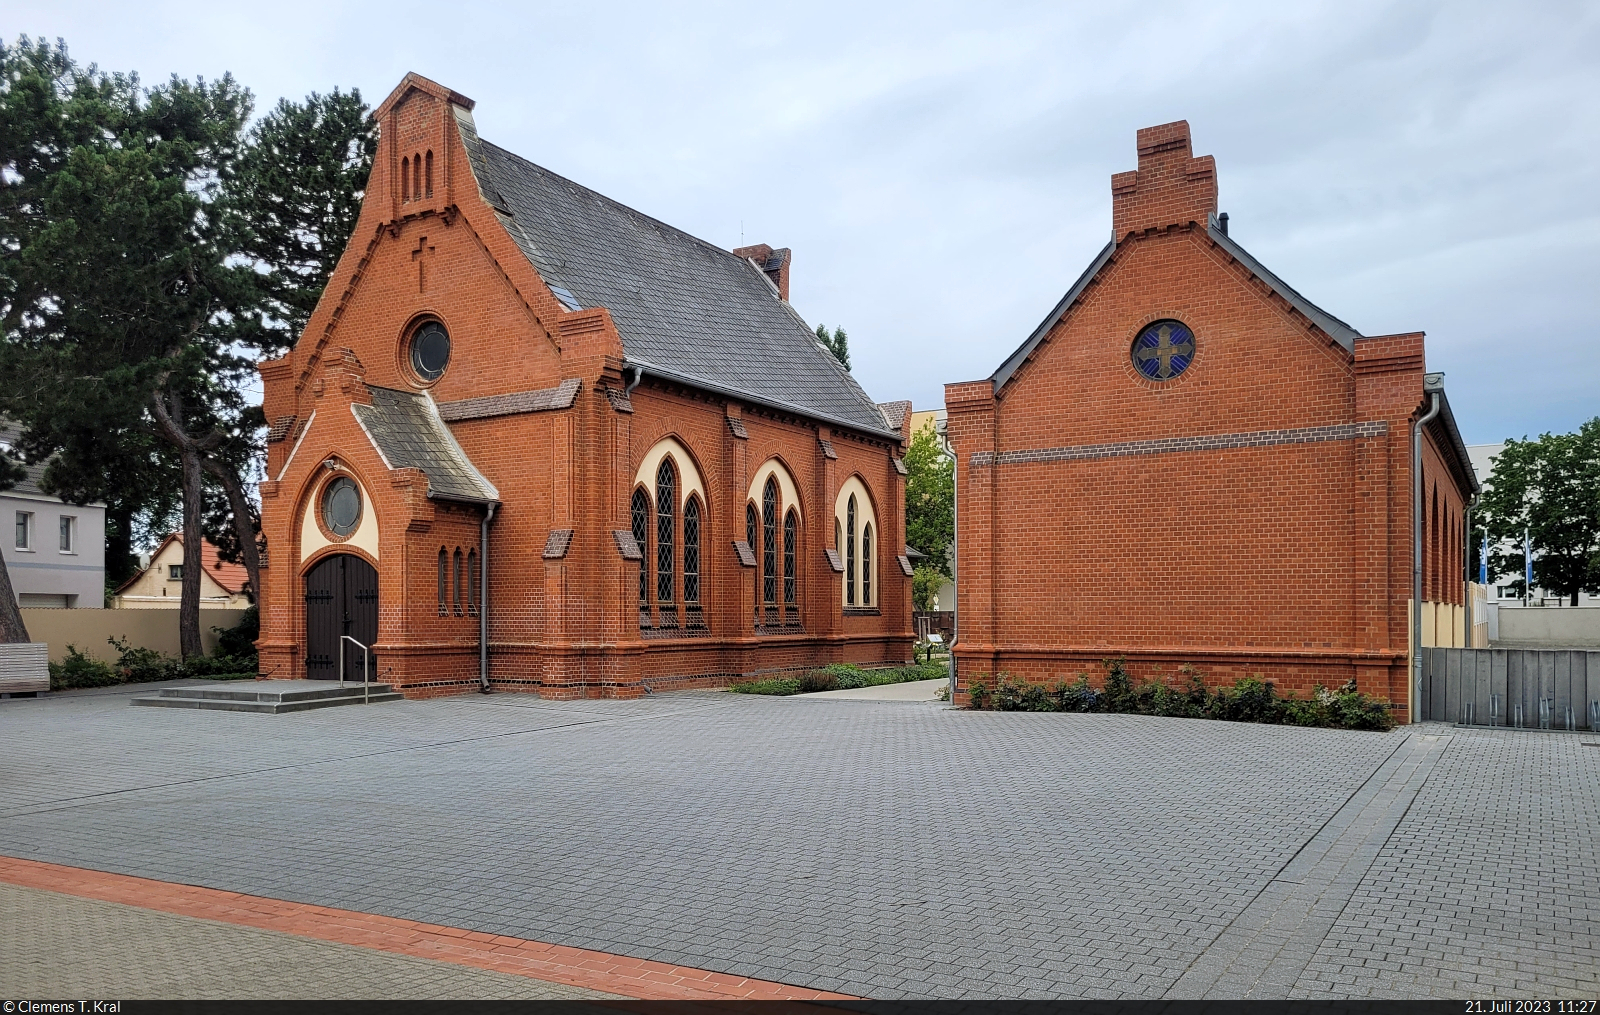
(1188, 462)
(532, 439)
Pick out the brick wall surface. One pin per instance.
(1249, 516)
(534, 395)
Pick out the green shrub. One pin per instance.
(840, 677)
(239, 641)
(1249, 700)
(79, 670)
(139, 665)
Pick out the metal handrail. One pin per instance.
(366, 667)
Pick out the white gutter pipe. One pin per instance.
(1431, 383)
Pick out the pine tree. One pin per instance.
(837, 343)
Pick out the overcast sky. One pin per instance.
(942, 171)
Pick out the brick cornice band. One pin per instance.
(1174, 445)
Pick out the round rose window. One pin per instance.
(341, 506)
(1163, 350)
(430, 351)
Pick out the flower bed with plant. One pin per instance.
(840, 677)
(1248, 700)
(234, 659)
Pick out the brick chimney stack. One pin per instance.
(1170, 187)
(775, 263)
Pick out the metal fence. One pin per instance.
(1518, 688)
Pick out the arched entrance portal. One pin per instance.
(341, 599)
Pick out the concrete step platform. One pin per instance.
(271, 696)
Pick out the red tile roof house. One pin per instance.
(533, 439)
(1188, 462)
(158, 586)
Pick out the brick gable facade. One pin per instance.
(522, 456)
(1249, 515)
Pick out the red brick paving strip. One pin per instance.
(578, 967)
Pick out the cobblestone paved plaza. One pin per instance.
(887, 849)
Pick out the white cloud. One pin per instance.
(942, 170)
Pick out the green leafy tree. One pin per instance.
(930, 498)
(925, 583)
(1549, 489)
(837, 343)
(294, 197)
(119, 285)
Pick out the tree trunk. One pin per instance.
(170, 420)
(243, 527)
(193, 556)
(12, 629)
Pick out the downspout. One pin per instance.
(955, 555)
(638, 375)
(1430, 383)
(1466, 578)
(483, 596)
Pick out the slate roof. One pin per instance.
(1336, 329)
(409, 433)
(686, 310)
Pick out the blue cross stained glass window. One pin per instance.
(1163, 350)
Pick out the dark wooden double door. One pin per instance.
(341, 599)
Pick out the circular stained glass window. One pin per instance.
(430, 351)
(341, 506)
(1163, 350)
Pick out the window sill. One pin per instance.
(862, 611)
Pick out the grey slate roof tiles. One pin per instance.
(409, 433)
(685, 309)
(559, 397)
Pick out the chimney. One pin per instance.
(1171, 186)
(774, 263)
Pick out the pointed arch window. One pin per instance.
(416, 177)
(769, 549)
(691, 554)
(472, 583)
(752, 527)
(850, 552)
(866, 565)
(405, 178)
(641, 535)
(455, 598)
(791, 537)
(666, 542)
(444, 579)
(428, 174)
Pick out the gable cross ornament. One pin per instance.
(422, 255)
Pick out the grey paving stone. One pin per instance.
(812, 842)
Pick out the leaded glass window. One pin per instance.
(456, 597)
(850, 552)
(1163, 350)
(472, 583)
(444, 580)
(769, 542)
(691, 551)
(641, 535)
(750, 526)
(666, 500)
(790, 538)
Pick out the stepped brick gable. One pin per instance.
(533, 439)
(1188, 462)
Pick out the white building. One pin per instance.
(55, 552)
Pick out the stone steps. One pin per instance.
(270, 696)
